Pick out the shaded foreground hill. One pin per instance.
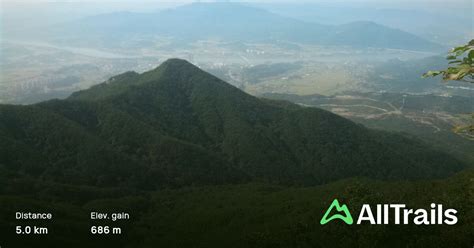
(244, 215)
(178, 125)
(127, 145)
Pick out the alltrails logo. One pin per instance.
(347, 217)
(385, 212)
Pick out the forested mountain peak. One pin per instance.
(173, 75)
(179, 125)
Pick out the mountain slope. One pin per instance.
(231, 21)
(243, 215)
(178, 125)
(37, 142)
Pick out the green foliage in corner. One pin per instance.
(461, 60)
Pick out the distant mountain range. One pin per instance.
(178, 125)
(436, 26)
(238, 22)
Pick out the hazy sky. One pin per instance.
(406, 4)
(48, 10)
(446, 2)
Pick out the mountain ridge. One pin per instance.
(178, 125)
(232, 21)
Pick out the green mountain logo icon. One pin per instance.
(346, 216)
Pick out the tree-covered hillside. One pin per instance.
(244, 215)
(434, 119)
(198, 163)
(178, 125)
